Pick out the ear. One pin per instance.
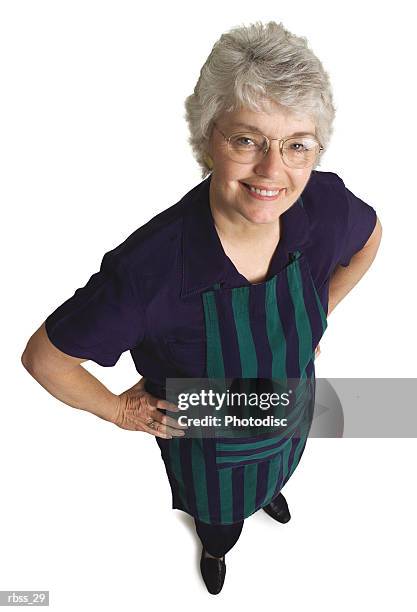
(208, 161)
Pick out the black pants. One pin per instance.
(218, 539)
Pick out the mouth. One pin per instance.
(263, 194)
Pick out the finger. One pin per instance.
(162, 431)
(147, 412)
(141, 422)
(154, 432)
(166, 420)
(164, 428)
(158, 402)
(133, 423)
(152, 401)
(166, 405)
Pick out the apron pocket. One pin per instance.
(238, 451)
(235, 453)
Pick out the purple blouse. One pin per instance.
(146, 297)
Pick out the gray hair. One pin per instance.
(249, 66)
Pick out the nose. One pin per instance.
(271, 164)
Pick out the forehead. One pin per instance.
(274, 120)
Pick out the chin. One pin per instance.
(261, 217)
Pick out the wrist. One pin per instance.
(109, 409)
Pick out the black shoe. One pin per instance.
(278, 509)
(213, 572)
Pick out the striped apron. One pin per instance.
(256, 334)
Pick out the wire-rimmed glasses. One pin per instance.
(251, 147)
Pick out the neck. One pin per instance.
(233, 228)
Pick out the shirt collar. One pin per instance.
(204, 261)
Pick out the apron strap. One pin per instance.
(294, 255)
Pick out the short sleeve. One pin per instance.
(361, 221)
(101, 320)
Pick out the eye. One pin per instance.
(298, 146)
(304, 145)
(243, 141)
(247, 141)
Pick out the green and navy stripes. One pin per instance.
(264, 331)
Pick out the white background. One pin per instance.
(88, 90)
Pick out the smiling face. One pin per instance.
(228, 191)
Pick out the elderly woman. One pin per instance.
(236, 279)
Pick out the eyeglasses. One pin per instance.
(249, 148)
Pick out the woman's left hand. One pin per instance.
(317, 351)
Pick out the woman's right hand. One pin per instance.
(137, 410)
